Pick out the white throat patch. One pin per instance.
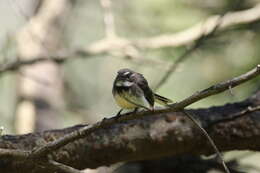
(125, 83)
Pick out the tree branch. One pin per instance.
(61, 167)
(56, 142)
(106, 46)
(192, 34)
(189, 51)
(155, 136)
(215, 89)
(218, 88)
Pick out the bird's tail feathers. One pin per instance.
(162, 100)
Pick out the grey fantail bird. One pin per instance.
(131, 91)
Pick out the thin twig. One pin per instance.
(52, 146)
(231, 19)
(215, 89)
(21, 63)
(205, 35)
(205, 133)
(188, 36)
(58, 58)
(236, 115)
(174, 67)
(61, 167)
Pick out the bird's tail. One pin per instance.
(161, 100)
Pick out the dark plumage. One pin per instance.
(131, 90)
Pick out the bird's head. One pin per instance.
(124, 78)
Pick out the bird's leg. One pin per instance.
(119, 113)
(135, 110)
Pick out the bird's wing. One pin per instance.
(143, 84)
(162, 100)
(136, 97)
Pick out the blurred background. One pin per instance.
(50, 95)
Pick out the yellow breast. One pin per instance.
(123, 103)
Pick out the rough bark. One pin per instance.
(233, 126)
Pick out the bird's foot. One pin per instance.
(135, 110)
(118, 115)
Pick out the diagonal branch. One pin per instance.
(87, 130)
(212, 143)
(189, 51)
(192, 34)
(182, 38)
(61, 167)
(218, 88)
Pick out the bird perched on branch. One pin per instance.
(131, 91)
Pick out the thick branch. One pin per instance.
(162, 134)
(215, 89)
(40, 150)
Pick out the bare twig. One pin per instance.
(205, 133)
(82, 132)
(205, 35)
(20, 63)
(188, 36)
(173, 40)
(58, 58)
(61, 167)
(46, 149)
(215, 89)
(174, 67)
(238, 114)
